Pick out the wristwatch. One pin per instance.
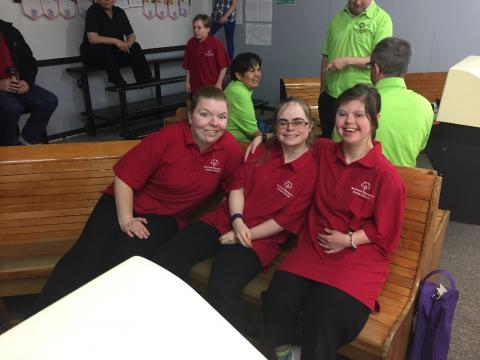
(352, 243)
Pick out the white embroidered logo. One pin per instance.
(214, 166)
(209, 53)
(363, 192)
(285, 189)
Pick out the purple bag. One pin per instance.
(433, 319)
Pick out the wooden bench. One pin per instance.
(48, 192)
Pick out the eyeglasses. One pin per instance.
(369, 65)
(296, 123)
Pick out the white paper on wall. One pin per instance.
(258, 10)
(258, 34)
(82, 7)
(32, 9)
(162, 9)
(173, 9)
(184, 7)
(67, 8)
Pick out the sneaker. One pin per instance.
(296, 352)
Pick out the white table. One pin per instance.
(137, 310)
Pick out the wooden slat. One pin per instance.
(48, 199)
(429, 84)
(34, 178)
(8, 211)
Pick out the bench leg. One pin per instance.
(85, 86)
(126, 134)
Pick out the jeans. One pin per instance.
(229, 28)
(40, 103)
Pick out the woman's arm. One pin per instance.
(95, 39)
(132, 226)
(335, 241)
(221, 76)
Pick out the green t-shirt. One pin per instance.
(354, 36)
(405, 122)
(241, 113)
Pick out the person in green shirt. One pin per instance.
(406, 117)
(352, 34)
(246, 73)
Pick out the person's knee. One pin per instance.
(13, 109)
(50, 101)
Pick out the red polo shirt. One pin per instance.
(170, 176)
(367, 194)
(204, 60)
(272, 190)
(5, 57)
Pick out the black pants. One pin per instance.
(233, 267)
(101, 246)
(110, 58)
(330, 318)
(326, 105)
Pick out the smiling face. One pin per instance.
(251, 77)
(356, 7)
(292, 126)
(200, 32)
(208, 122)
(352, 123)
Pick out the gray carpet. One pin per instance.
(461, 257)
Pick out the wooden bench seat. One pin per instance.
(48, 192)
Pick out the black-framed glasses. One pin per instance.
(296, 123)
(369, 65)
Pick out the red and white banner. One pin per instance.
(173, 9)
(67, 8)
(162, 9)
(50, 8)
(32, 9)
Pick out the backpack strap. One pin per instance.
(444, 273)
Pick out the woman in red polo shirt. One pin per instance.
(332, 278)
(157, 185)
(267, 201)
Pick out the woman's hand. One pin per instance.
(333, 241)
(136, 227)
(228, 238)
(242, 233)
(252, 147)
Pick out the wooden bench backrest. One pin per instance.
(428, 84)
(307, 89)
(47, 193)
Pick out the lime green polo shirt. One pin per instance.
(354, 36)
(405, 122)
(241, 114)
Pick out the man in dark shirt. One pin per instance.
(109, 42)
(18, 92)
